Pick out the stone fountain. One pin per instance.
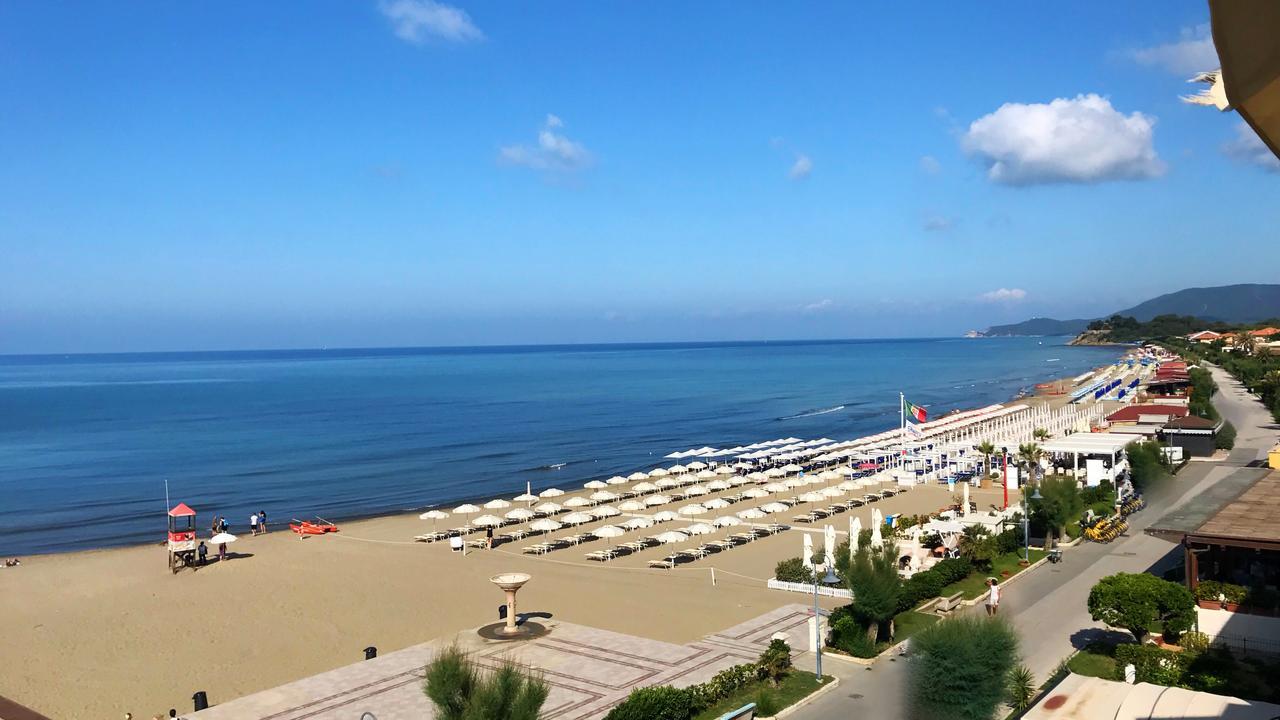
(510, 583)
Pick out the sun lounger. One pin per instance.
(431, 537)
(665, 564)
(537, 549)
(871, 497)
(806, 518)
(601, 555)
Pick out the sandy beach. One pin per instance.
(96, 634)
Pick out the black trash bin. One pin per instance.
(370, 652)
(502, 611)
(200, 700)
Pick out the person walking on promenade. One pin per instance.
(993, 597)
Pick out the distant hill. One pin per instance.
(1039, 326)
(1227, 303)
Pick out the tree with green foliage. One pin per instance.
(459, 691)
(1029, 455)
(873, 580)
(1136, 601)
(987, 450)
(775, 661)
(1040, 434)
(1060, 503)
(978, 546)
(1147, 464)
(960, 668)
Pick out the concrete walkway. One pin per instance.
(1049, 606)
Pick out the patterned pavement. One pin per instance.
(589, 671)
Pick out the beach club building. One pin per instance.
(1153, 415)
(1195, 435)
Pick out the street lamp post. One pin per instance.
(1026, 523)
(1004, 471)
(828, 579)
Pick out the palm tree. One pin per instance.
(987, 450)
(1040, 434)
(1029, 455)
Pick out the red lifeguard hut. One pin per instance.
(182, 536)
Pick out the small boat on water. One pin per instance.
(306, 527)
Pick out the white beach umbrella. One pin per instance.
(829, 547)
(644, 487)
(757, 477)
(670, 537)
(605, 511)
(487, 520)
(545, 525)
(750, 514)
(718, 485)
(677, 469)
(775, 487)
(810, 497)
(433, 515)
(692, 509)
(793, 482)
(637, 476)
(658, 472)
(595, 485)
(831, 492)
(497, 504)
(829, 475)
(696, 490)
(877, 522)
(807, 553)
(604, 496)
(653, 500)
(775, 507)
(774, 472)
(616, 480)
(664, 516)
(697, 465)
(698, 529)
(631, 506)
(724, 470)
(577, 501)
(467, 509)
(576, 518)
(637, 523)
(222, 538)
(706, 474)
(716, 503)
(551, 492)
(608, 531)
(855, 529)
(847, 485)
(792, 468)
(755, 492)
(811, 479)
(548, 507)
(665, 484)
(726, 521)
(525, 497)
(519, 514)
(736, 480)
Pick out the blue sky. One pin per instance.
(349, 173)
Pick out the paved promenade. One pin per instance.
(589, 671)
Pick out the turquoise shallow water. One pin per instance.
(86, 442)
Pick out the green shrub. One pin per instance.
(960, 667)
(1194, 641)
(1226, 437)
(1022, 688)
(658, 702)
(1215, 591)
(1008, 541)
(1136, 601)
(978, 546)
(457, 690)
(928, 584)
(1154, 664)
(850, 636)
(793, 570)
(1146, 463)
(775, 661)
(766, 703)
(1103, 492)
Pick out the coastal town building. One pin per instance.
(1156, 414)
(1195, 435)
(1205, 336)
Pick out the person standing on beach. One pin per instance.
(203, 552)
(222, 552)
(993, 597)
(222, 524)
(262, 521)
(253, 524)
(488, 537)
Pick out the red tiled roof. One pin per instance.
(1204, 335)
(1133, 413)
(1264, 332)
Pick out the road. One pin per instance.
(1048, 606)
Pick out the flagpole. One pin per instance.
(902, 429)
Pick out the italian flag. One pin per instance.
(915, 412)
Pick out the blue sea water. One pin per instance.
(87, 441)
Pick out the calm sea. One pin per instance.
(86, 442)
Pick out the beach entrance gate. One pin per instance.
(182, 535)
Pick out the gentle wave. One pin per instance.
(51, 384)
(813, 413)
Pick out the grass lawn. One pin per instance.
(796, 686)
(976, 583)
(1095, 660)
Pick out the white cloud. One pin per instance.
(417, 20)
(554, 152)
(938, 223)
(1247, 147)
(929, 165)
(820, 306)
(1192, 53)
(801, 168)
(1004, 295)
(1069, 140)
